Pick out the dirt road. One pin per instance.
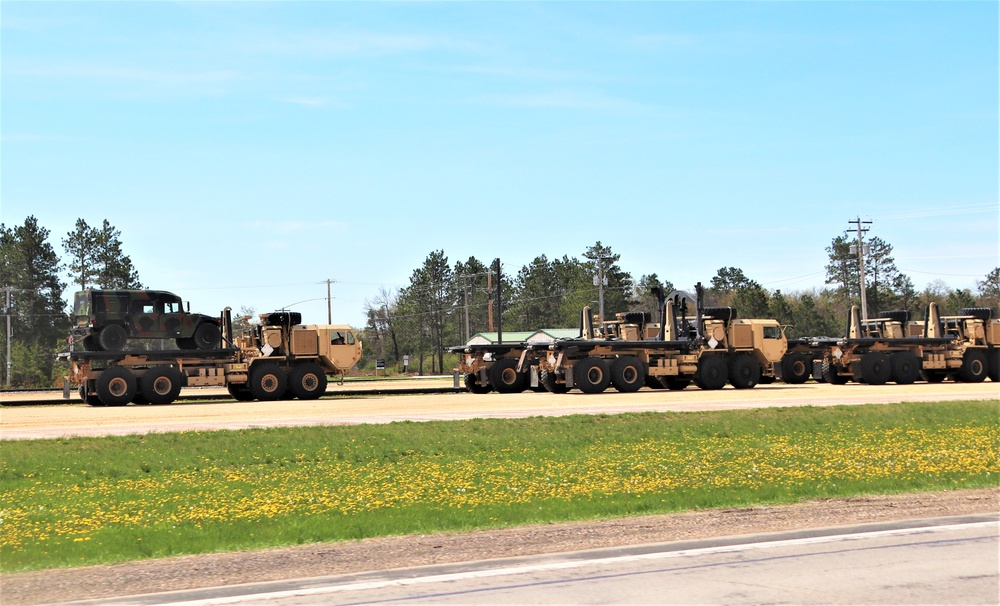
(29, 422)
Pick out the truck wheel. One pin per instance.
(712, 372)
(973, 368)
(548, 381)
(116, 386)
(796, 368)
(628, 374)
(994, 372)
(935, 376)
(161, 384)
(505, 378)
(112, 338)
(207, 336)
(472, 384)
(655, 382)
(905, 368)
(979, 313)
(308, 381)
(831, 374)
(93, 400)
(875, 369)
(591, 375)
(744, 372)
(268, 382)
(240, 392)
(675, 383)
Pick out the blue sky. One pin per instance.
(249, 151)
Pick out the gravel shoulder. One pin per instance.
(190, 572)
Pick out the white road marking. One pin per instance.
(497, 572)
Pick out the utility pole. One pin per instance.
(861, 248)
(465, 293)
(499, 303)
(489, 289)
(9, 334)
(600, 281)
(329, 315)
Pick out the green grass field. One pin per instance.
(81, 501)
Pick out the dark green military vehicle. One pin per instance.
(107, 319)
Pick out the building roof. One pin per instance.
(542, 335)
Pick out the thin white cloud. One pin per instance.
(334, 44)
(110, 73)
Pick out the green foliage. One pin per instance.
(79, 501)
(30, 269)
(989, 290)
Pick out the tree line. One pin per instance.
(33, 292)
(446, 304)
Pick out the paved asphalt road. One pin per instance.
(941, 561)
(33, 422)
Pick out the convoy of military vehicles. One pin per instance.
(712, 347)
(278, 357)
(275, 358)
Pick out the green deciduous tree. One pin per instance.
(643, 298)
(989, 290)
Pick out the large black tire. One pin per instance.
(548, 381)
(896, 315)
(744, 372)
(628, 374)
(675, 383)
(591, 375)
(112, 337)
(91, 399)
(268, 382)
(979, 313)
(905, 367)
(831, 373)
(875, 369)
(796, 368)
(240, 392)
(974, 368)
(207, 336)
(505, 378)
(994, 371)
(308, 381)
(712, 372)
(161, 385)
(472, 384)
(935, 376)
(719, 313)
(116, 386)
(654, 382)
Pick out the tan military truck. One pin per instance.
(278, 358)
(707, 346)
(893, 348)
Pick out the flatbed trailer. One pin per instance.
(963, 347)
(279, 358)
(709, 347)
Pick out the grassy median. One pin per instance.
(80, 501)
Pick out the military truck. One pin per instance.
(105, 320)
(277, 358)
(892, 348)
(709, 347)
